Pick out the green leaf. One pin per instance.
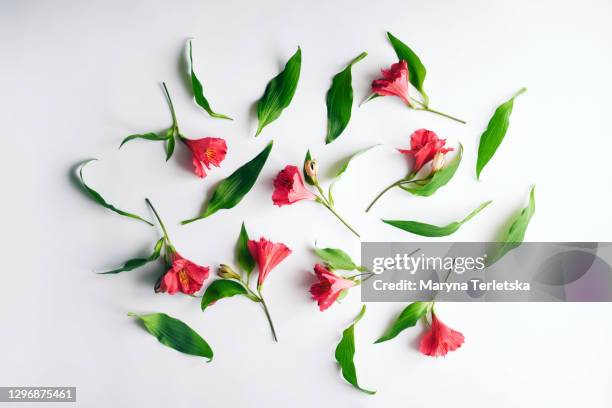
(416, 68)
(232, 190)
(138, 262)
(345, 353)
(221, 288)
(175, 334)
(340, 101)
(337, 259)
(170, 143)
(495, 133)
(243, 255)
(439, 179)
(307, 178)
(428, 230)
(198, 90)
(100, 200)
(279, 92)
(515, 234)
(408, 318)
(145, 136)
(344, 166)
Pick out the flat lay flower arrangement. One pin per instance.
(433, 162)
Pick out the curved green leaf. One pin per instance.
(408, 318)
(138, 262)
(232, 190)
(416, 68)
(307, 178)
(243, 255)
(495, 133)
(175, 334)
(100, 200)
(279, 92)
(344, 166)
(428, 230)
(221, 288)
(340, 101)
(198, 90)
(337, 259)
(439, 179)
(145, 136)
(345, 353)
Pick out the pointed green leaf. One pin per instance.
(232, 190)
(345, 353)
(145, 136)
(198, 90)
(428, 230)
(175, 334)
(170, 143)
(337, 259)
(221, 288)
(93, 194)
(408, 318)
(279, 92)
(495, 133)
(307, 178)
(138, 262)
(243, 255)
(344, 166)
(439, 179)
(340, 101)
(416, 69)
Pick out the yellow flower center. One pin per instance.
(210, 153)
(183, 278)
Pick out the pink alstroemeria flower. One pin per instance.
(394, 82)
(289, 187)
(440, 339)
(267, 255)
(208, 151)
(183, 276)
(329, 287)
(424, 145)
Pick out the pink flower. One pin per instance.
(394, 82)
(440, 339)
(183, 276)
(206, 152)
(267, 255)
(424, 146)
(289, 187)
(329, 287)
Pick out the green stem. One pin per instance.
(331, 209)
(161, 223)
(265, 307)
(174, 121)
(397, 183)
(441, 114)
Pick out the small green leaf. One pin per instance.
(408, 318)
(439, 179)
(138, 262)
(100, 200)
(145, 136)
(337, 259)
(345, 353)
(307, 178)
(221, 288)
(428, 230)
(416, 69)
(340, 101)
(198, 90)
(175, 334)
(495, 133)
(243, 255)
(170, 143)
(279, 92)
(515, 234)
(232, 190)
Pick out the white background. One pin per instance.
(78, 76)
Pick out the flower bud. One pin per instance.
(311, 167)
(437, 162)
(226, 272)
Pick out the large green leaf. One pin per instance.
(340, 101)
(138, 262)
(495, 133)
(408, 318)
(175, 334)
(221, 288)
(345, 353)
(439, 179)
(337, 259)
(232, 190)
(243, 255)
(428, 230)
(94, 195)
(279, 92)
(198, 90)
(416, 69)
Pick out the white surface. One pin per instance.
(79, 76)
